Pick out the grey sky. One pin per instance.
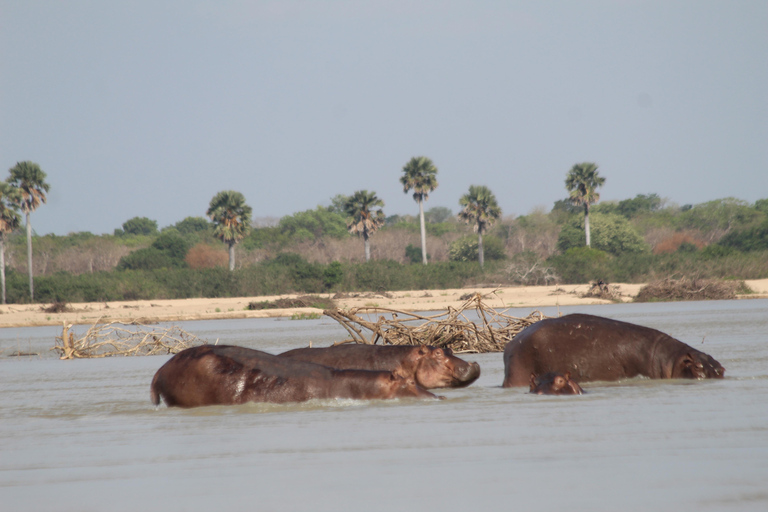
(149, 108)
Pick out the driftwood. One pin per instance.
(602, 290)
(688, 289)
(119, 339)
(452, 329)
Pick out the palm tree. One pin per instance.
(29, 180)
(9, 222)
(419, 174)
(481, 210)
(364, 220)
(582, 181)
(231, 218)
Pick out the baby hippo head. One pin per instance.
(553, 383)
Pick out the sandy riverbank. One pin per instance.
(20, 315)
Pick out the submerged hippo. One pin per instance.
(430, 367)
(595, 348)
(228, 375)
(553, 383)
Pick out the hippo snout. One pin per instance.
(469, 374)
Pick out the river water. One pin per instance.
(82, 435)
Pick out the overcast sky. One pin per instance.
(149, 108)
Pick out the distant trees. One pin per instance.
(168, 250)
(613, 234)
(366, 216)
(29, 180)
(192, 225)
(481, 210)
(420, 175)
(138, 226)
(231, 218)
(9, 222)
(582, 182)
(313, 224)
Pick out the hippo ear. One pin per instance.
(687, 360)
(423, 349)
(567, 375)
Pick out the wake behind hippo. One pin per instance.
(229, 375)
(594, 348)
(431, 367)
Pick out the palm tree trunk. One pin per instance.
(29, 260)
(2, 262)
(367, 247)
(423, 233)
(586, 221)
(231, 257)
(480, 255)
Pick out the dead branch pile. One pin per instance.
(602, 290)
(451, 329)
(304, 301)
(56, 307)
(118, 339)
(688, 289)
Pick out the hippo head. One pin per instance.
(439, 368)
(697, 365)
(402, 387)
(553, 383)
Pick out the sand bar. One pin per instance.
(149, 311)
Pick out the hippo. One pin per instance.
(553, 383)
(431, 367)
(229, 375)
(596, 348)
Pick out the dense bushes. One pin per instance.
(288, 273)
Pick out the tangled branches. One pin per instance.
(689, 289)
(601, 290)
(451, 329)
(118, 339)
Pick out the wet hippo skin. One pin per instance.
(593, 348)
(228, 375)
(431, 367)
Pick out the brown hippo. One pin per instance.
(595, 348)
(430, 367)
(553, 383)
(228, 375)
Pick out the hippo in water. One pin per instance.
(553, 383)
(431, 367)
(228, 375)
(595, 348)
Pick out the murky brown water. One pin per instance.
(83, 435)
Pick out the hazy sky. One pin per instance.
(149, 108)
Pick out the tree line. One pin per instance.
(579, 239)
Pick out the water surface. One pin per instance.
(82, 435)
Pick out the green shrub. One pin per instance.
(465, 249)
(611, 233)
(581, 265)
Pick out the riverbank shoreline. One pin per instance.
(177, 310)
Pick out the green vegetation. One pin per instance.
(231, 219)
(365, 220)
(420, 175)
(29, 181)
(480, 210)
(638, 239)
(582, 182)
